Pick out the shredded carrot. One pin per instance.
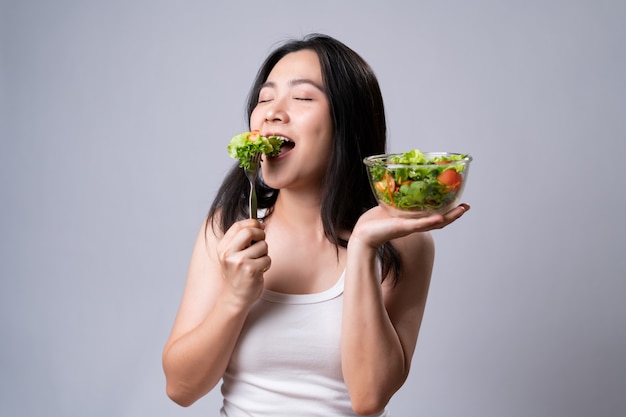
(391, 187)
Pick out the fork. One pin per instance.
(252, 172)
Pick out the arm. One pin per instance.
(381, 322)
(225, 277)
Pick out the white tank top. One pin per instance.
(287, 361)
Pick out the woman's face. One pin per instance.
(293, 104)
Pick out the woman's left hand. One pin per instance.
(376, 226)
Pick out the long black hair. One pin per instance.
(360, 130)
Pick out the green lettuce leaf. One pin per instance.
(247, 145)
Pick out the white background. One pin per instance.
(114, 117)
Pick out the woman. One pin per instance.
(314, 310)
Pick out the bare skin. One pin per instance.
(228, 272)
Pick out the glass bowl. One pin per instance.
(418, 184)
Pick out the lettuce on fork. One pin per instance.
(247, 145)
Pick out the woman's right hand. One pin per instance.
(243, 256)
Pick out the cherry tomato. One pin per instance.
(451, 179)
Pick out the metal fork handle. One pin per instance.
(252, 174)
(252, 203)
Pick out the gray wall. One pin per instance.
(115, 115)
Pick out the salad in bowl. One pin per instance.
(415, 183)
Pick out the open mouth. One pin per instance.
(287, 145)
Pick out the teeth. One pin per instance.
(287, 142)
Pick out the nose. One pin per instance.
(276, 112)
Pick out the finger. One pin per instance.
(452, 215)
(434, 221)
(456, 212)
(239, 226)
(245, 237)
(256, 250)
(257, 267)
(230, 234)
(240, 265)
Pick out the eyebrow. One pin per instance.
(295, 82)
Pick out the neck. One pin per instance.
(299, 210)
